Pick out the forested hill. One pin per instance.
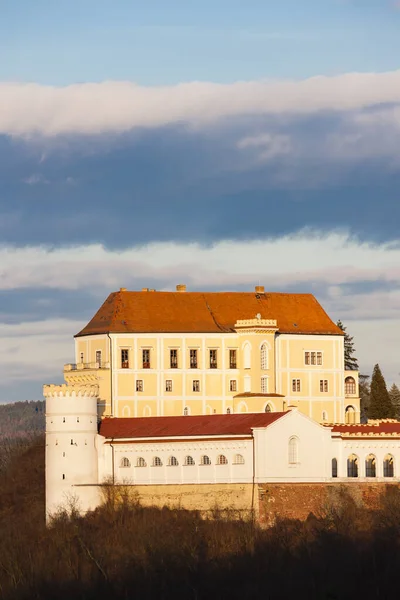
(21, 419)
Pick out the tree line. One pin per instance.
(376, 401)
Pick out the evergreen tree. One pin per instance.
(380, 406)
(350, 361)
(394, 394)
(365, 396)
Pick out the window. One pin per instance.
(350, 415)
(296, 386)
(173, 358)
(313, 358)
(334, 467)
(388, 466)
(82, 355)
(264, 385)
(247, 383)
(157, 462)
(293, 451)
(63, 476)
(186, 411)
(173, 461)
(72, 442)
(139, 385)
(238, 459)
(193, 359)
(141, 462)
(189, 461)
(323, 385)
(98, 357)
(349, 386)
(228, 411)
(146, 358)
(124, 359)
(63, 419)
(370, 466)
(222, 460)
(77, 419)
(233, 385)
(205, 460)
(168, 385)
(196, 385)
(268, 408)
(247, 356)
(232, 359)
(125, 462)
(264, 357)
(352, 466)
(213, 359)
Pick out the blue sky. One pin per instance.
(220, 144)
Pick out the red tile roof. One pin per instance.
(206, 312)
(203, 425)
(366, 429)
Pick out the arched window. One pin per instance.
(352, 466)
(157, 462)
(293, 451)
(242, 408)
(126, 411)
(125, 462)
(268, 408)
(238, 459)
(141, 462)
(264, 357)
(350, 416)
(350, 386)
(186, 411)
(247, 356)
(205, 460)
(324, 415)
(189, 461)
(173, 461)
(222, 460)
(147, 411)
(388, 466)
(370, 466)
(228, 411)
(334, 467)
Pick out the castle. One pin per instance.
(223, 392)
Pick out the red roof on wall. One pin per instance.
(207, 312)
(204, 425)
(380, 428)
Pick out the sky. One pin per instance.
(219, 144)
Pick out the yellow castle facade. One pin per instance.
(192, 353)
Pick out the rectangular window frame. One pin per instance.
(124, 358)
(146, 358)
(173, 358)
(313, 358)
(232, 358)
(196, 385)
(168, 385)
(296, 385)
(264, 385)
(213, 358)
(193, 358)
(323, 386)
(233, 385)
(139, 385)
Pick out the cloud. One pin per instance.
(112, 106)
(35, 179)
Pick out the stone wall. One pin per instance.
(298, 500)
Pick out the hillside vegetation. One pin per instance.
(126, 551)
(20, 422)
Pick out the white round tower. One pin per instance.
(71, 448)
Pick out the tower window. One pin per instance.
(264, 357)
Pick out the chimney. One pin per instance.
(181, 287)
(145, 289)
(122, 289)
(259, 289)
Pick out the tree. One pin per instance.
(394, 394)
(365, 396)
(350, 361)
(380, 406)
